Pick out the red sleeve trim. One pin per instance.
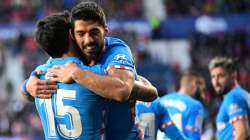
(167, 124)
(236, 118)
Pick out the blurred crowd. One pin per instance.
(19, 53)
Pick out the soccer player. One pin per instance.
(153, 116)
(74, 112)
(175, 110)
(89, 31)
(185, 111)
(233, 117)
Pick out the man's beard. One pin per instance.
(224, 91)
(90, 58)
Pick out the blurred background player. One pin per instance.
(179, 109)
(151, 117)
(234, 113)
(185, 111)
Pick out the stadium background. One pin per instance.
(167, 37)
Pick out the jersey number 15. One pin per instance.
(63, 112)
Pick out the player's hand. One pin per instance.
(41, 88)
(62, 73)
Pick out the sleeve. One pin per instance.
(120, 57)
(235, 108)
(194, 123)
(164, 122)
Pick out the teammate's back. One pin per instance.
(186, 112)
(73, 112)
(182, 109)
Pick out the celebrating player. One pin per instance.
(74, 112)
(89, 31)
(234, 113)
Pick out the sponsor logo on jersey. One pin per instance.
(233, 108)
(175, 103)
(123, 59)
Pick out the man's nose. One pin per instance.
(217, 81)
(88, 39)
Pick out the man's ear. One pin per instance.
(106, 31)
(71, 34)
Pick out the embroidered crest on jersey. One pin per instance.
(233, 108)
(123, 59)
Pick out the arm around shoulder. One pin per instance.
(116, 85)
(25, 93)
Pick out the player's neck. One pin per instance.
(184, 91)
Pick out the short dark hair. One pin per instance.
(52, 33)
(229, 64)
(88, 11)
(189, 76)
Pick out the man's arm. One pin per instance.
(116, 85)
(143, 90)
(241, 129)
(25, 92)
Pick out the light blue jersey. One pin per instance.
(235, 106)
(145, 120)
(186, 112)
(154, 117)
(120, 121)
(74, 112)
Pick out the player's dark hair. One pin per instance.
(229, 64)
(52, 33)
(88, 11)
(189, 76)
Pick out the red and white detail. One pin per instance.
(140, 133)
(119, 67)
(236, 118)
(167, 124)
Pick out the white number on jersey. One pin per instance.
(61, 111)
